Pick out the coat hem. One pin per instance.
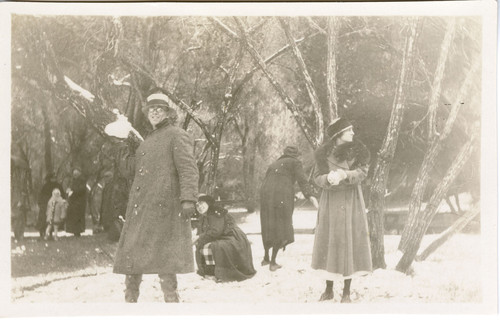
(338, 276)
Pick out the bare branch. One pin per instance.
(258, 60)
(316, 26)
(307, 79)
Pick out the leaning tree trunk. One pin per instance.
(430, 159)
(386, 153)
(420, 225)
(331, 112)
(461, 223)
(438, 78)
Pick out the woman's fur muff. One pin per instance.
(345, 152)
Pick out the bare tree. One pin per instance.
(438, 77)
(386, 152)
(424, 219)
(430, 159)
(331, 112)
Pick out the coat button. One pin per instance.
(138, 188)
(143, 153)
(136, 205)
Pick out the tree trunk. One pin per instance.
(461, 223)
(249, 176)
(419, 226)
(430, 159)
(331, 112)
(47, 138)
(318, 114)
(386, 153)
(438, 78)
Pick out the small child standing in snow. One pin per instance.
(56, 213)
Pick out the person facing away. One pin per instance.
(114, 206)
(156, 237)
(277, 203)
(56, 213)
(43, 198)
(341, 242)
(77, 203)
(222, 248)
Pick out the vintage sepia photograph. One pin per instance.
(265, 158)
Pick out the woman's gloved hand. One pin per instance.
(187, 210)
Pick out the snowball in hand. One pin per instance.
(119, 128)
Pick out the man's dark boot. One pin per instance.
(168, 283)
(132, 283)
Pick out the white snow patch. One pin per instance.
(84, 93)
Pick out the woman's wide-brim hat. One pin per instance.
(159, 99)
(338, 126)
(291, 151)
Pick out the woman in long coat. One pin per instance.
(156, 237)
(341, 243)
(277, 203)
(226, 243)
(77, 203)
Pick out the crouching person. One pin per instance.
(222, 249)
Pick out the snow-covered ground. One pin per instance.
(447, 276)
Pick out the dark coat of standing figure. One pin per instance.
(229, 245)
(114, 205)
(156, 236)
(341, 243)
(77, 203)
(43, 199)
(277, 203)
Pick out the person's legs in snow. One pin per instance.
(328, 294)
(346, 294)
(273, 266)
(168, 283)
(132, 283)
(265, 261)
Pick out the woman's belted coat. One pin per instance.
(341, 242)
(155, 239)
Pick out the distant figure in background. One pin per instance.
(77, 192)
(19, 207)
(56, 213)
(222, 249)
(341, 242)
(114, 206)
(277, 203)
(43, 198)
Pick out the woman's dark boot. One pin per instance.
(346, 294)
(328, 294)
(132, 283)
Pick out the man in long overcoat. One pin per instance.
(156, 237)
(277, 203)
